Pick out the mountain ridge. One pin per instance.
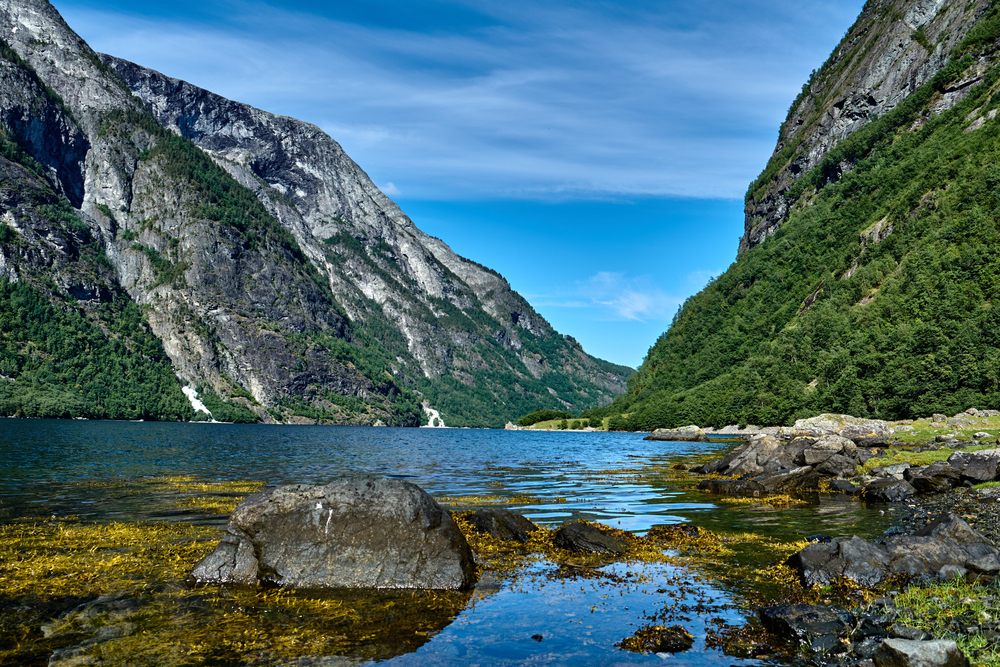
(278, 278)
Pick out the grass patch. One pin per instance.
(942, 607)
(914, 459)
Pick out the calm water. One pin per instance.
(552, 477)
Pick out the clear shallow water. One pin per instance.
(57, 467)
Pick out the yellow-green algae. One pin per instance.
(48, 566)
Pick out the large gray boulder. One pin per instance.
(763, 453)
(357, 532)
(976, 467)
(803, 478)
(910, 653)
(888, 490)
(683, 434)
(856, 559)
(938, 477)
(828, 446)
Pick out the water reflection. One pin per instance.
(107, 471)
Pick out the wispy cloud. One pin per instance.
(615, 296)
(535, 100)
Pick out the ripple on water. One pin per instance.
(104, 471)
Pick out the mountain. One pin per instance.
(255, 264)
(867, 279)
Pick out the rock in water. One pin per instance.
(802, 622)
(657, 639)
(502, 524)
(378, 533)
(909, 653)
(584, 538)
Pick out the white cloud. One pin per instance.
(614, 296)
(551, 100)
(390, 189)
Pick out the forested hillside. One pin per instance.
(879, 295)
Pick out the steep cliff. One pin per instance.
(278, 278)
(893, 48)
(879, 293)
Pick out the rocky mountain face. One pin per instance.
(867, 281)
(281, 282)
(893, 48)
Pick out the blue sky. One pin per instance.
(594, 153)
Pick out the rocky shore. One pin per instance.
(941, 492)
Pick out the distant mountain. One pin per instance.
(868, 279)
(250, 257)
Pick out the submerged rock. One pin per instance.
(733, 487)
(378, 533)
(502, 524)
(584, 538)
(101, 620)
(658, 639)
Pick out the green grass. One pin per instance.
(923, 431)
(895, 456)
(932, 608)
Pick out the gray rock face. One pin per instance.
(944, 548)
(887, 62)
(372, 533)
(319, 194)
(910, 653)
(976, 467)
(887, 491)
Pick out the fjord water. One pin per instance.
(63, 468)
